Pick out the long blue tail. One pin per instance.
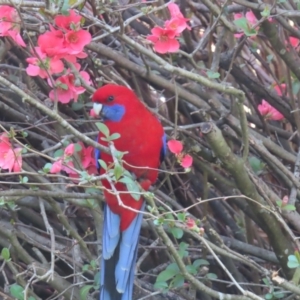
(119, 251)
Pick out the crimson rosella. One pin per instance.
(142, 138)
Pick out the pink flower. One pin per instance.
(294, 41)
(190, 223)
(75, 41)
(64, 163)
(38, 66)
(280, 88)
(70, 22)
(93, 114)
(10, 158)
(178, 22)
(67, 89)
(176, 147)
(186, 161)
(269, 111)
(10, 24)
(52, 42)
(87, 158)
(164, 40)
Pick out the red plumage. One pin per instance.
(141, 136)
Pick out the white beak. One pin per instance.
(97, 108)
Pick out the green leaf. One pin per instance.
(132, 186)
(244, 25)
(191, 269)
(270, 57)
(182, 249)
(293, 262)
(279, 203)
(200, 262)
(174, 267)
(296, 87)
(160, 285)
(17, 291)
(77, 106)
(85, 268)
(84, 291)
(102, 164)
(256, 164)
(23, 179)
(178, 281)
(77, 147)
(265, 12)
(96, 279)
(103, 129)
(5, 253)
(279, 295)
(165, 275)
(211, 276)
(212, 75)
(289, 207)
(269, 296)
(181, 216)
(118, 171)
(177, 232)
(58, 153)
(114, 136)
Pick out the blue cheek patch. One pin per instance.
(163, 151)
(113, 113)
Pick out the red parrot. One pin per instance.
(143, 138)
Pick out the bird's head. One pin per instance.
(112, 102)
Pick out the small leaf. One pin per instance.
(118, 171)
(177, 232)
(211, 276)
(17, 291)
(244, 25)
(103, 164)
(293, 262)
(178, 281)
(5, 253)
(58, 153)
(191, 269)
(269, 296)
(289, 207)
(114, 136)
(256, 164)
(212, 75)
(84, 291)
(265, 12)
(200, 262)
(174, 267)
(103, 129)
(160, 285)
(296, 87)
(77, 147)
(77, 106)
(182, 249)
(181, 216)
(165, 275)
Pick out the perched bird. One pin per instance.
(142, 137)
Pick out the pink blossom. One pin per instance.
(87, 158)
(93, 114)
(52, 42)
(64, 163)
(269, 112)
(294, 41)
(70, 22)
(75, 41)
(10, 24)
(66, 89)
(186, 161)
(280, 88)
(10, 158)
(164, 40)
(38, 66)
(175, 146)
(190, 223)
(178, 22)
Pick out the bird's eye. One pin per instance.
(110, 98)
